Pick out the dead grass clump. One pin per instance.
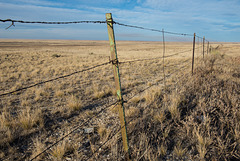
(132, 111)
(39, 93)
(59, 93)
(102, 92)
(179, 151)
(162, 150)
(5, 119)
(159, 116)
(61, 149)
(28, 118)
(103, 132)
(151, 95)
(135, 100)
(174, 107)
(38, 148)
(74, 103)
(99, 94)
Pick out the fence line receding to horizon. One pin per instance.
(116, 64)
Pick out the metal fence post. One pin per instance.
(207, 47)
(194, 36)
(115, 63)
(203, 45)
(164, 77)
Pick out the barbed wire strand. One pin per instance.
(74, 129)
(155, 84)
(99, 22)
(199, 37)
(167, 76)
(150, 29)
(44, 22)
(167, 67)
(155, 58)
(64, 76)
(50, 80)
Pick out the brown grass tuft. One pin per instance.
(74, 103)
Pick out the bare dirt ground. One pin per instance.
(190, 118)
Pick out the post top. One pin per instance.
(108, 15)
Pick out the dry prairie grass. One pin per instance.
(191, 118)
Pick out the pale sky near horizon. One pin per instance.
(217, 20)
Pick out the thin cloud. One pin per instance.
(35, 2)
(212, 18)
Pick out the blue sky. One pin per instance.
(217, 20)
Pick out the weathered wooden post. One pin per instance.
(115, 63)
(194, 36)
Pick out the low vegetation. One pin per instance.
(189, 118)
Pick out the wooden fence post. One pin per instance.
(194, 36)
(203, 45)
(115, 63)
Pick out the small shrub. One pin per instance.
(56, 56)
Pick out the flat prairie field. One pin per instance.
(52, 88)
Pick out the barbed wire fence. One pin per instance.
(199, 50)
